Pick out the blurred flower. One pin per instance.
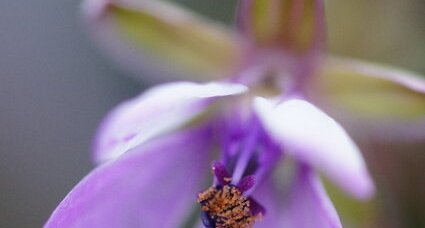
(155, 149)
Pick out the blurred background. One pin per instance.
(55, 87)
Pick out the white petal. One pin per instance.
(155, 112)
(314, 138)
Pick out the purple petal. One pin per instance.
(273, 200)
(303, 203)
(308, 204)
(312, 137)
(151, 186)
(155, 112)
(297, 25)
(160, 40)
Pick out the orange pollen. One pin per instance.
(226, 207)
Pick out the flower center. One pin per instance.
(249, 155)
(226, 207)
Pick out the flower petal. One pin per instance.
(161, 39)
(316, 139)
(308, 205)
(393, 92)
(377, 101)
(302, 204)
(155, 112)
(152, 186)
(297, 25)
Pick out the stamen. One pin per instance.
(220, 172)
(226, 207)
(246, 154)
(246, 183)
(270, 155)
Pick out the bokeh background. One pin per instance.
(55, 86)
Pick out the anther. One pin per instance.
(226, 207)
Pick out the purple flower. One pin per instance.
(257, 126)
